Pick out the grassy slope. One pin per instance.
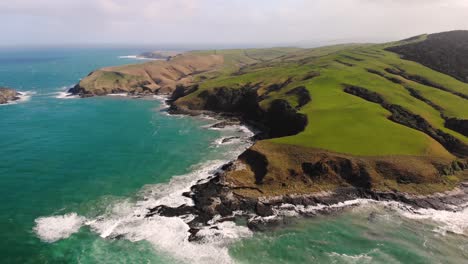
(341, 122)
(338, 123)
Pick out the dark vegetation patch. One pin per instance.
(257, 162)
(403, 116)
(283, 120)
(181, 91)
(241, 100)
(368, 54)
(344, 63)
(444, 52)
(302, 95)
(276, 87)
(459, 125)
(352, 58)
(310, 75)
(381, 74)
(422, 80)
(416, 94)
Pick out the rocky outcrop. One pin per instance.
(282, 119)
(444, 52)
(8, 95)
(279, 119)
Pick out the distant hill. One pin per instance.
(445, 52)
(162, 55)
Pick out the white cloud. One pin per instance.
(222, 21)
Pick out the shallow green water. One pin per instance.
(365, 234)
(104, 159)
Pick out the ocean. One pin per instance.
(76, 176)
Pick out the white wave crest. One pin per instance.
(118, 94)
(53, 228)
(137, 57)
(64, 94)
(446, 221)
(127, 219)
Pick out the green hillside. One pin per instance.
(342, 122)
(345, 115)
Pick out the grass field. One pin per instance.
(342, 122)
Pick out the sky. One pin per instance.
(224, 22)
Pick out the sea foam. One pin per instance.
(136, 57)
(64, 94)
(127, 219)
(53, 228)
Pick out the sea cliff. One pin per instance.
(335, 124)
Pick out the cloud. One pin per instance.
(222, 21)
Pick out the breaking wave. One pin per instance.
(126, 219)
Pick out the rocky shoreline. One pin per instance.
(8, 95)
(215, 200)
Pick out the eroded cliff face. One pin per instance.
(278, 119)
(269, 169)
(8, 95)
(156, 77)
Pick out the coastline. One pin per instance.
(197, 213)
(264, 213)
(451, 200)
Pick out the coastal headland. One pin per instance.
(376, 121)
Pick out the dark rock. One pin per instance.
(228, 139)
(225, 123)
(263, 209)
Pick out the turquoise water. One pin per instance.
(75, 173)
(64, 155)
